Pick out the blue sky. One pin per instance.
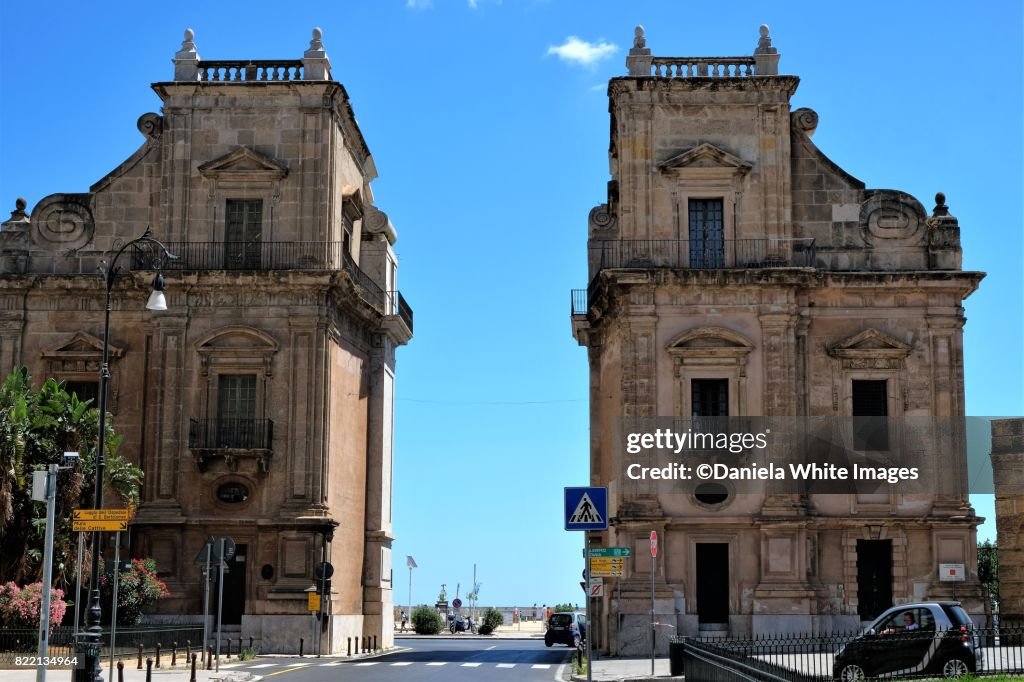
(488, 122)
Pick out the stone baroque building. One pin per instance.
(736, 271)
(260, 404)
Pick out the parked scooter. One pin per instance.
(460, 624)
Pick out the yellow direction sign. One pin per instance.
(101, 515)
(314, 601)
(607, 567)
(89, 525)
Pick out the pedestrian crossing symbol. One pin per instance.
(586, 508)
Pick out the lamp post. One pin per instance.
(411, 564)
(87, 645)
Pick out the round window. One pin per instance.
(232, 493)
(711, 493)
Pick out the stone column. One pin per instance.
(1008, 474)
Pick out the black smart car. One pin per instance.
(566, 628)
(934, 638)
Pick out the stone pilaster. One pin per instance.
(1008, 473)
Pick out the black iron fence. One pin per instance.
(703, 254)
(805, 658)
(247, 434)
(173, 642)
(579, 302)
(398, 306)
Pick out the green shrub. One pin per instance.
(492, 619)
(247, 654)
(426, 621)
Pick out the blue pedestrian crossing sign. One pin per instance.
(586, 508)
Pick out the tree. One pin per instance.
(36, 428)
(138, 589)
(988, 569)
(426, 620)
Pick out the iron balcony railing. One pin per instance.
(579, 302)
(239, 434)
(702, 254)
(262, 256)
(398, 306)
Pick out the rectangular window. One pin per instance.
(243, 232)
(707, 233)
(870, 409)
(709, 397)
(236, 410)
(85, 390)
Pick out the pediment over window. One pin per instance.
(710, 342)
(870, 343)
(706, 156)
(83, 346)
(244, 164)
(237, 347)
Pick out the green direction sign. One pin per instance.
(596, 552)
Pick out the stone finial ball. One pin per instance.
(317, 33)
(20, 203)
(940, 198)
(189, 35)
(764, 30)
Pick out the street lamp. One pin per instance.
(411, 563)
(88, 642)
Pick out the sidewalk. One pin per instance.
(132, 674)
(634, 669)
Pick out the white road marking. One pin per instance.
(443, 663)
(296, 665)
(493, 646)
(230, 665)
(540, 666)
(402, 663)
(263, 665)
(368, 663)
(506, 665)
(470, 665)
(330, 665)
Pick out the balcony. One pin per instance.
(707, 254)
(260, 256)
(233, 439)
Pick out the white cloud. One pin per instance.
(576, 51)
(419, 4)
(473, 4)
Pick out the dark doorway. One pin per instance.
(234, 588)
(712, 582)
(874, 577)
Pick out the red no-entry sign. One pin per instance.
(654, 544)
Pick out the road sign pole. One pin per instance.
(44, 611)
(113, 608)
(590, 625)
(78, 581)
(654, 556)
(220, 597)
(206, 597)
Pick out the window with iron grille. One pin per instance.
(243, 234)
(236, 410)
(707, 233)
(709, 397)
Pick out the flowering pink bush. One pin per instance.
(138, 590)
(20, 606)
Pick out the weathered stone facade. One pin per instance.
(260, 404)
(1008, 475)
(810, 284)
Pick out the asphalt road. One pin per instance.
(503, 660)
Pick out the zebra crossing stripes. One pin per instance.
(395, 664)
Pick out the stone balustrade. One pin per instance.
(258, 70)
(702, 67)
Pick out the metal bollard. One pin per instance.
(250, 642)
(120, 671)
(349, 647)
(375, 642)
(140, 656)
(174, 654)
(209, 657)
(229, 648)
(158, 654)
(301, 642)
(188, 651)
(240, 645)
(149, 670)
(193, 678)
